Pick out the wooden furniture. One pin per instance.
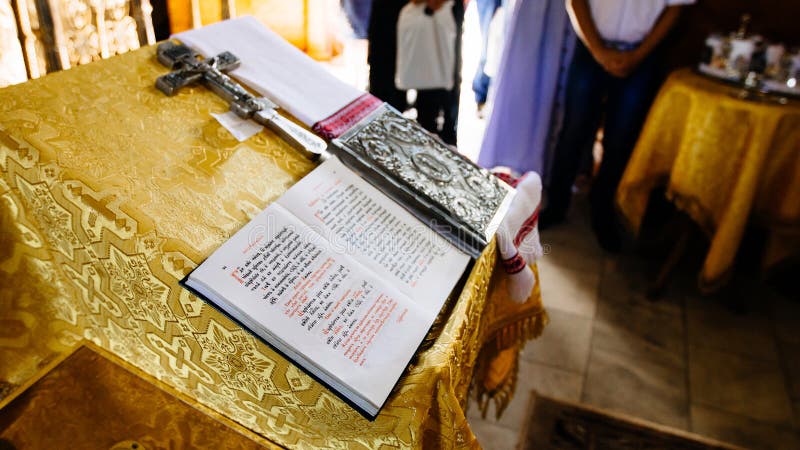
(558, 424)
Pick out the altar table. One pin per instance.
(724, 161)
(111, 192)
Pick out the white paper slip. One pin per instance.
(241, 129)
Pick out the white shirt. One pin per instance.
(628, 20)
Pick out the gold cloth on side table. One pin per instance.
(111, 192)
(722, 160)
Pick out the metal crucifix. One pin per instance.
(189, 68)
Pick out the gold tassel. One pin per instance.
(522, 331)
(512, 336)
(502, 393)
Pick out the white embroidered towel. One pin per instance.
(518, 234)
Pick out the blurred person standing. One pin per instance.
(382, 52)
(612, 80)
(431, 104)
(527, 104)
(358, 13)
(481, 81)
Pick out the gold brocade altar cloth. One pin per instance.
(723, 160)
(111, 192)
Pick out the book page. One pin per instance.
(289, 285)
(359, 220)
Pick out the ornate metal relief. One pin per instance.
(401, 148)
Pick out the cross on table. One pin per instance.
(190, 68)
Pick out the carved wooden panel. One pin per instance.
(12, 61)
(51, 35)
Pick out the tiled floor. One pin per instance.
(686, 361)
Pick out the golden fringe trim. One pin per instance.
(509, 336)
(521, 331)
(502, 395)
(694, 209)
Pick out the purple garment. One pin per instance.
(526, 113)
(357, 13)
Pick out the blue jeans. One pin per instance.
(593, 96)
(480, 83)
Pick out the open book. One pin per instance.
(338, 278)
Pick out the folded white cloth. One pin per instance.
(274, 68)
(518, 234)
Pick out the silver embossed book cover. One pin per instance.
(457, 198)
